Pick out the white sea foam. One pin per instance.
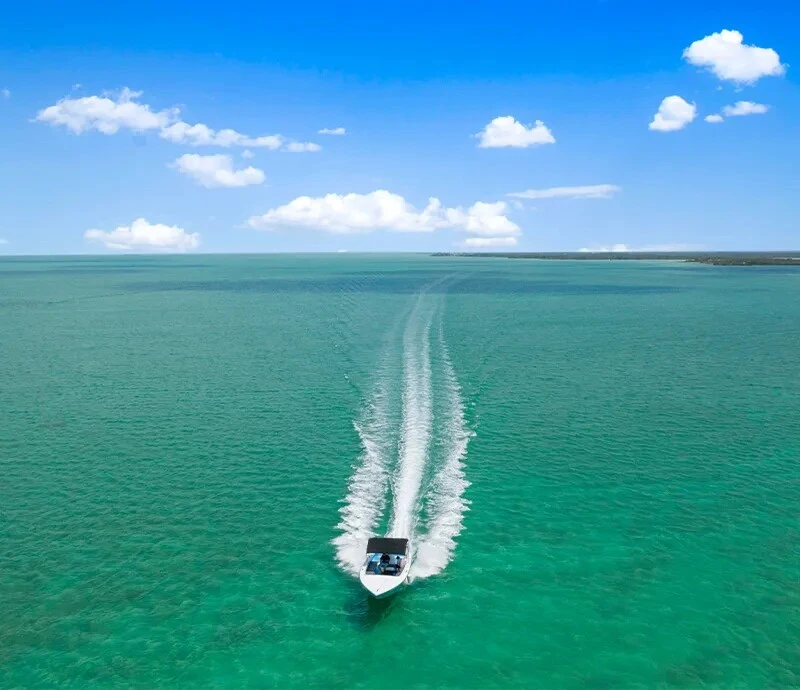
(417, 418)
(366, 496)
(446, 502)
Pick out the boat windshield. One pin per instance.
(384, 564)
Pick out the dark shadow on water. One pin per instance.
(401, 283)
(81, 270)
(103, 269)
(366, 612)
(97, 269)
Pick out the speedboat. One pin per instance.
(386, 566)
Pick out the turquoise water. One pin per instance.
(598, 462)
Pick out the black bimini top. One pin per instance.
(387, 545)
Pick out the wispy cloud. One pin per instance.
(335, 132)
(488, 242)
(742, 108)
(623, 248)
(738, 109)
(202, 135)
(301, 147)
(217, 171)
(596, 191)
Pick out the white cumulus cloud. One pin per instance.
(595, 191)
(674, 113)
(111, 113)
(730, 59)
(741, 108)
(478, 242)
(714, 119)
(383, 210)
(482, 218)
(217, 171)
(505, 132)
(107, 114)
(335, 132)
(144, 236)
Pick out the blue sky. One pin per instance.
(418, 91)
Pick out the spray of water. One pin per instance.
(398, 454)
(446, 502)
(365, 502)
(417, 419)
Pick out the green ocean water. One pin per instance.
(604, 456)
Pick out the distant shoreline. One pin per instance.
(785, 258)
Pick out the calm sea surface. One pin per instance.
(598, 462)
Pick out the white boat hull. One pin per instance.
(381, 586)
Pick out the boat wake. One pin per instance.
(446, 493)
(409, 480)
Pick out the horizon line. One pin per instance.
(553, 252)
